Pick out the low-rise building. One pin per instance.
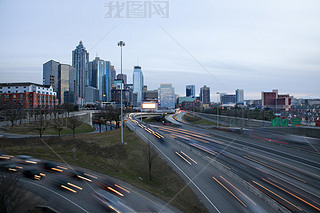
(27, 95)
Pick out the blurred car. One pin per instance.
(5, 157)
(33, 174)
(26, 159)
(66, 185)
(110, 186)
(80, 175)
(51, 166)
(10, 167)
(112, 202)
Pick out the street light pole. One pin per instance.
(121, 44)
(217, 110)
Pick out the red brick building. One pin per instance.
(275, 101)
(27, 95)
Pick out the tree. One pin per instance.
(10, 192)
(118, 153)
(13, 116)
(151, 155)
(99, 122)
(58, 125)
(73, 124)
(105, 154)
(41, 126)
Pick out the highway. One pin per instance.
(286, 174)
(78, 195)
(308, 144)
(217, 191)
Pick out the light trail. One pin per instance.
(292, 194)
(183, 158)
(189, 157)
(277, 195)
(230, 192)
(218, 162)
(274, 169)
(238, 190)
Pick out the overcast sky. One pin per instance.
(227, 44)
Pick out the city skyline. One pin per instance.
(256, 49)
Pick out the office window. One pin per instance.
(21, 96)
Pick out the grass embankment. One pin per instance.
(97, 152)
(30, 129)
(197, 120)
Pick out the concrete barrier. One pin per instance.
(299, 130)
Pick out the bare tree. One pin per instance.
(151, 156)
(100, 122)
(58, 125)
(10, 192)
(118, 153)
(73, 124)
(41, 126)
(105, 154)
(13, 116)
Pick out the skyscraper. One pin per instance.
(80, 60)
(124, 78)
(66, 84)
(166, 96)
(100, 78)
(113, 74)
(62, 78)
(50, 74)
(205, 94)
(190, 91)
(240, 96)
(138, 83)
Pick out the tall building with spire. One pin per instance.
(80, 60)
(138, 83)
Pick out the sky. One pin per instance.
(226, 44)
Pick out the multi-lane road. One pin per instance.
(274, 171)
(217, 191)
(64, 193)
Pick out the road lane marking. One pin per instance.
(191, 181)
(218, 162)
(256, 161)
